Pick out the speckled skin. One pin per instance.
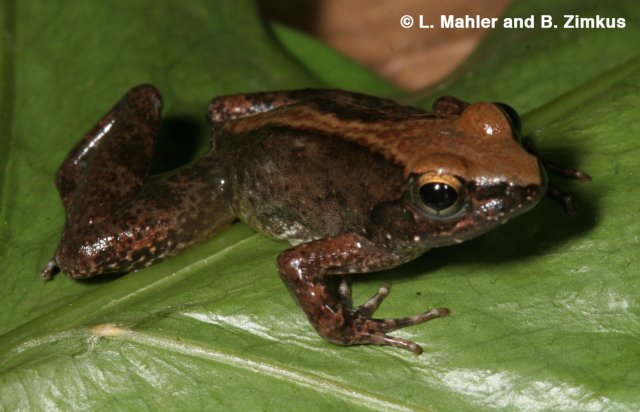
(332, 172)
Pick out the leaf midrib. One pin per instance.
(271, 369)
(75, 312)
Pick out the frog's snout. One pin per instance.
(520, 199)
(533, 193)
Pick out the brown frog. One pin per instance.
(355, 183)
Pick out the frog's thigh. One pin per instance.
(237, 106)
(449, 106)
(121, 161)
(70, 171)
(105, 146)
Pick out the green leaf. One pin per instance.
(545, 312)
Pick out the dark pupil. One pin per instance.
(438, 196)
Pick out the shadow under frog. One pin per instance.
(354, 183)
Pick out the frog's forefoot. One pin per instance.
(366, 309)
(365, 330)
(50, 270)
(563, 198)
(566, 171)
(374, 331)
(557, 194)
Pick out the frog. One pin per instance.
(354, 183)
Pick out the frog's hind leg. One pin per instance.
(120, 161)
(107, 167)
(74, 165)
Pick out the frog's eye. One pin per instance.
(513, 116)
(439, 196)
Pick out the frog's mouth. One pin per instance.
(501, 202)
(493, 206)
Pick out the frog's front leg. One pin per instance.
(554, 192)
(305, 268)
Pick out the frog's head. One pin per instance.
(471, 175)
